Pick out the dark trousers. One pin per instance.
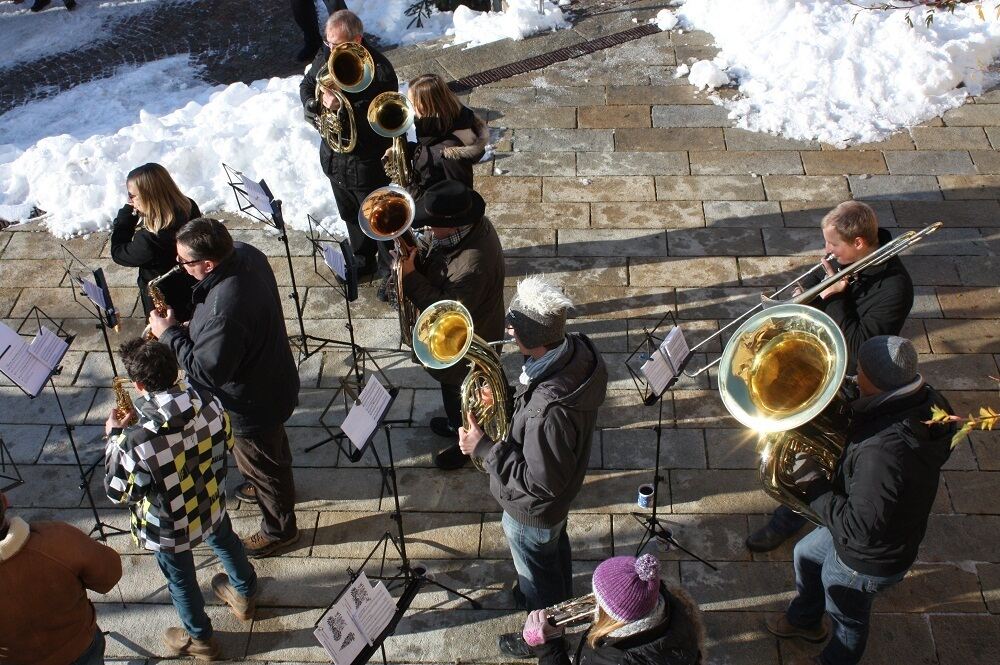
(451, 396)
(265, 460)
(94, 655)
(372, 252)
(304, 13)
(786, 521)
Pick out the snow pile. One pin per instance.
(705, 74)
(27, 36)
(665, 20)
(827, 70)
(163, 114)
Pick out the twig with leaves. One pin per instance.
(931, 5)
(988, 419)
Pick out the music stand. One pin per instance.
(653, 526)
(6, 458)
(97, 293)
(40, 319)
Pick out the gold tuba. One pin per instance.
(159, 302)
(444, 335)
(780, 375)
(349, 68)
(391, 115)
(387, 214)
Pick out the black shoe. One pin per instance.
(766, 539)
(450, 458)
(246, 492)
(307, 53)
(442, 427)
(70, 4)
(383, 291)
(40, 5)
(513, 645)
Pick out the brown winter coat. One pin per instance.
(45, 571)
(472, 273)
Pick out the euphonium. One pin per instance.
(123, 401)
(159, 302)
(349, 68)
(444, 335)
(391, 115)
(387, 214)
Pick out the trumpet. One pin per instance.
(573, 611)
(349, 68)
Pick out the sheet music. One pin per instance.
(48, 347)
(364, 416)
(356, 620)
(29, 366)
(334, 259)
(257, 196)
(94, 292)
(664, 364)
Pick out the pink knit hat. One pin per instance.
(626, 587)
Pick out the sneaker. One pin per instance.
(442, 427)
(766, 539)
(513, 645)
(259, 546)
(242, 606)
(450, 458)
(180, 643)
(779, 626)
(246, 492)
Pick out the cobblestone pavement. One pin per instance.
(632, 190)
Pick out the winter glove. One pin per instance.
(537, 629)
(806, 470)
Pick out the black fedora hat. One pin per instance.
(448, 204)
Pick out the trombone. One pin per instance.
(349, 68)
(887, 251)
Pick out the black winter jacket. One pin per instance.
(236, 344)
(362, 168)
(677, 640)
(537, 471)
(876, 302)
(447, 155)
(885, 484)
(154, 254)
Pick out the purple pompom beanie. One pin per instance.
(626, 587)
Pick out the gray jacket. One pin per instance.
(537, 471)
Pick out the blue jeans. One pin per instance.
(94, 655)
(786, 521)
(543, 562)
(182, 581)
(823, 581)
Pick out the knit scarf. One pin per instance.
(871, 402)
(534, 368)
(649, 621)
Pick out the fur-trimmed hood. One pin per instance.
(474, 141)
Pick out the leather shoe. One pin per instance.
(180, 643)
(450, 458)
(246, 492)
(779, 626)
(513, 645)
(765, 539)
(442, 427)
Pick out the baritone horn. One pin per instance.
(391, 115)
(349, 68)
(444, 335)
(387, 215)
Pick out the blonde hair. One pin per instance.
(432, 98)
(161, 198)
(853, 219)
(604, 624)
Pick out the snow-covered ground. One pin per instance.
(829, 70)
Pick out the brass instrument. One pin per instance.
(159, 302)
(573, 611)
(391, 115)
(349, 68)
(444, 335)
(387, 214)
(123, 401)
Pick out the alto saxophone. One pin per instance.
(159, 302)
(123, 401)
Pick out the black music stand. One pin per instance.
(652, 339)
(6, 458)
(39, 318)
(94, 290)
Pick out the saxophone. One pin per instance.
(123, 401)
(159, 302)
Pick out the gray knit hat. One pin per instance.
(889, 362)
(538, 313)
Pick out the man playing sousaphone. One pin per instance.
(465, 263)
(353, 173)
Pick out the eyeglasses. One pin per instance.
(187, 263)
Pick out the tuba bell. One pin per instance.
(387, 214)
(349, 68)
(391, 115)
(444, 335)
(781, 375)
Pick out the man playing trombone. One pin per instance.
(873, 302)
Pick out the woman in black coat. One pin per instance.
(637, 621)
(143, 235)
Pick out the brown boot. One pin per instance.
(180, 643)
(780, 627)
(241, 606)
(258, 545)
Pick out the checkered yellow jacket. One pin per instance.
(170, 468)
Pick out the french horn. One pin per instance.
(349, 68)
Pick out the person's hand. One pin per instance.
(158, 324)
(408, 263)
(537, 629)
(117, 421)
(837, 287)
(470, 436)
(330, 100)
(486, 396)
(806, 470)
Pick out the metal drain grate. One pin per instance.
(466, 84)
